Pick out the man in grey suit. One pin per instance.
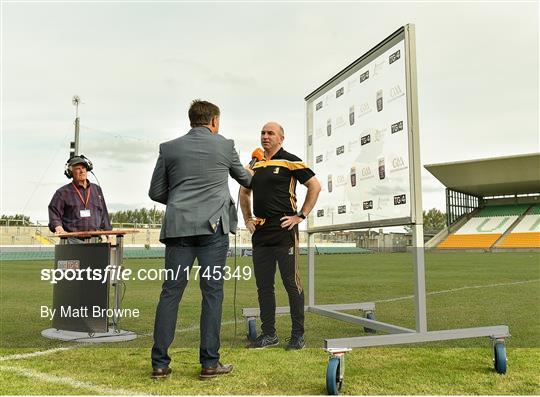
(191, 178)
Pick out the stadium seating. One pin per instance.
(487, 226)
(526, 234)
(464, 241)
(503, 210)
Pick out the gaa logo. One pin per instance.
(396, 127)
(366, 171)
(398, 163)
(394, 57)
(341, 209)
(396, 92)
(318, 106)
(340, 92)
(400, 199)
(368, 205)
(365, 140)
(364, 108)
(319, 158)
(320, 213)
(364, 76)
(340, 150)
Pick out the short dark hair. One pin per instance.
(201, 113)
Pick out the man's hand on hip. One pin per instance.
(250, 224)
(288, 222)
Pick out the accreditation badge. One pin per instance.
(85, 213)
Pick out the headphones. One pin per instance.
(77, 160)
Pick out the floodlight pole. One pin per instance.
(75, 144)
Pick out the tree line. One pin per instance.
(140, 216)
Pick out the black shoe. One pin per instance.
(212, 372)
(160, 373)
(296, 342)
(263, 341)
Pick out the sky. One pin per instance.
(138, 65)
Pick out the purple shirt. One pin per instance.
(66, 205)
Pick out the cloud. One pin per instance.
(123, 150)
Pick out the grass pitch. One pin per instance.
(464, 290)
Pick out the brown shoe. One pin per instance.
(160, 373)
(212, 372)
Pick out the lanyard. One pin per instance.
(80, 195)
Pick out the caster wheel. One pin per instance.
(499, 358)
(252, 330)
(370, 316)
(333, 382)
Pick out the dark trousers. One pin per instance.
(273, 244)
(180, 253)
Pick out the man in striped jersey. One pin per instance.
(274, 231)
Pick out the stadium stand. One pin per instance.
(526, 234)
(492, 204)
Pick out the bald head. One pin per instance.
(272, 136)
(272, 125)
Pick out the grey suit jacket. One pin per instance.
(191, 178)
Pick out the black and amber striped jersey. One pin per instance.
(274, 184)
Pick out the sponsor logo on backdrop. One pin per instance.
(365, 139)
(340, 92)
(364, 76)
(318, 106)
(396, 127)
(378, 68)
(398, 164)
(329, 127)
(340, 121)
(382, 202)
(395, 93)
(328, 99)
(379, 98)
(366, 173)
(364, 109)
(319, 159)
(354, 208)
(394, 57)
(367, 205)
(310, 139)
(330, 183)
(400, 199)
(68, 264)
(329, 155)
(340, 150)
(320, 213)
(351, 115)
(341, 209)
(341, 180)
(353, 176)
(352, 145)
(379, 134)
(382, 173)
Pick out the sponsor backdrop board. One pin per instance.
(359, 140)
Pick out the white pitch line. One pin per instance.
(446, 291)
(63, 380)
(23, 356)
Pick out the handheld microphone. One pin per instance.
(256, 155)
